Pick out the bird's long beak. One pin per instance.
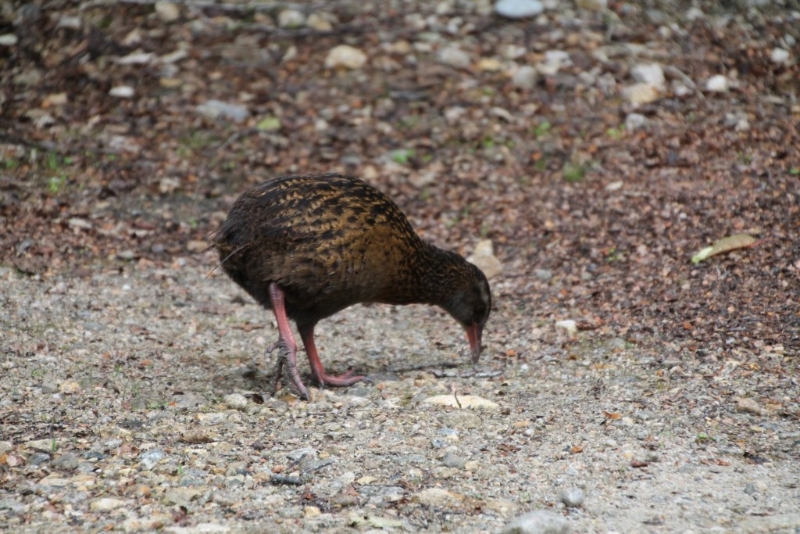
(474, 334)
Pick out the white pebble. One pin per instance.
(525, 77)
(649, 73)
(779, 55)
(345, 56)
(572, 497)
(717, 84)
(122, 91)
(569, 326)
(455, 57)
(167, 11)
(289, 18)
(235, 401)
(518, 9)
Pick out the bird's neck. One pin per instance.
(435, 279)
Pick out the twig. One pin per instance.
(200, 4)
(677, 73)
(455, 396)
(286, 480)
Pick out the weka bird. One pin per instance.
(310, 246)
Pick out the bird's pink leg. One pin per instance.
(286, 338)
(347, 379)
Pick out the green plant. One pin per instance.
(56, 183)
(11, 163)
(573, 172)
(794, 171)
(615, 133)
(402, 155)
(702, 437)
(743, 158)
(541, 129)
(52, 161)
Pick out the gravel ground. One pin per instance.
(129, 401)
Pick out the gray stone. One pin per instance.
(572, 497)
(300, 454)
(451, 460)
(634, 121)
(236, 401)
(455, 57)
(518, 9)
(538, 522)
(649, 73)
(106, 504)
(216, 109)
(289, 18)
(149, 459)
(543, 274)
(525, 77)
(66, 462)
(182, 496)
(167, 11)
(38, 459)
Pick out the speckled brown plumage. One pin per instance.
(310, 246)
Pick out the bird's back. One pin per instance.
(329, 241)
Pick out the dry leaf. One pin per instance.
(726, 244)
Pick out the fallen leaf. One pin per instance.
(726, 244)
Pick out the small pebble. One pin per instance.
(518, 9)
(451, 460)
(106, 504)
(717, 84)
(38, 458)
(746, 405)
(634, 121)
(538, 522)
(66, 462)
(649, 73)
(569, 326)
(149, 459)
(525, 77)
(779, 55)
(640, 93)
(289, 18)
(345, 56)
(167, 11)
(122, 91)
(8, 39)
(215, 109)
(572, 497)
(454, 57)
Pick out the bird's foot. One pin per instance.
(294, 381)
(270, 349)
(347, 379)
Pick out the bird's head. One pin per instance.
(470, 305)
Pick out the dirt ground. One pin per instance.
(133, 385)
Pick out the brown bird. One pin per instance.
(310, 246)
